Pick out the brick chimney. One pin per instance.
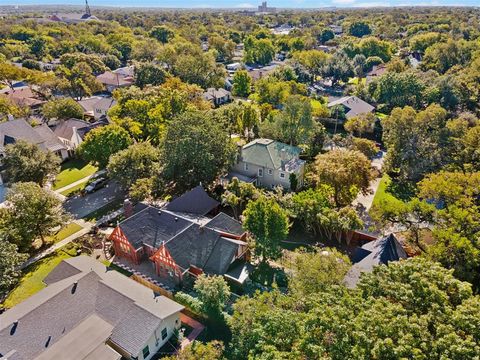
(127, 208)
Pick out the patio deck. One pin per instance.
(146, 270)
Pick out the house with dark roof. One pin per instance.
(378, 252)
(14, 130)
(71, 132)
(179, 238)
(88, 312)
(269, 163)
(352, 105)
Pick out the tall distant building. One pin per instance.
(265, 9)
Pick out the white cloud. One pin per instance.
(372, 4)
(203, 6)
(344, 2)
(244, 5)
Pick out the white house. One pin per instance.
(71, 132)
(269, 163)
(88, 312)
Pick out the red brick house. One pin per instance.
(180, 242)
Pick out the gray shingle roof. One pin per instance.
(64, 129)
(269, 153)
(354, 105)
(152, 226)
(20, 129)
(48, 317)
(223, 222)
(195, 201)
(377, 252)
(204, 248)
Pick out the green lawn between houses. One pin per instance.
(75, 188)
(73, 170)
(32, 280)
(68, 230)
(382, 194)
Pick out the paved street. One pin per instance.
(80, 206)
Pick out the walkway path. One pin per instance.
(197, 329)
(78, 182)
(367, 200)
(86, 227)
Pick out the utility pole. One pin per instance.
(87, 8)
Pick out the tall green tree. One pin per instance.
(213, 292)
(33, 213)
(359, 29)
(346, 171)
(237, 194)
(242, 83)
(138, 161)
(398, 90)
(27, 162)
(416, 142)
(162, 33)
(338, 324)
(196, 150)
(100, 143)
(10, 260)
(268, 224)
(63, 108)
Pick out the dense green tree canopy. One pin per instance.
(33, 212)
(196, 150)
(27, 162)
(100, 143)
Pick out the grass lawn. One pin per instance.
(31, 281)
(68, 230)
(80, 186)
(382, 194)
(73, 170)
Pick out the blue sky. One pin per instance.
(248, 3)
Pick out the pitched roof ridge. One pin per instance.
(181, 232)
(31, 304)
(213, 248)
(137, 213)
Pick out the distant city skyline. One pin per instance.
(239, 4)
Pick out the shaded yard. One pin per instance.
(383, 193)
(32, 280)
(73, 170)
(75, 188)
(65, 232)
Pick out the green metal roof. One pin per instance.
(269, 153)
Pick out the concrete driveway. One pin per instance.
(80, 206)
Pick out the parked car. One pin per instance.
(96, 185)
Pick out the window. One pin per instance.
(146, 352)
(260, 172)
(245, 167)
(164, 333)
(270, 172)
(282, 175)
